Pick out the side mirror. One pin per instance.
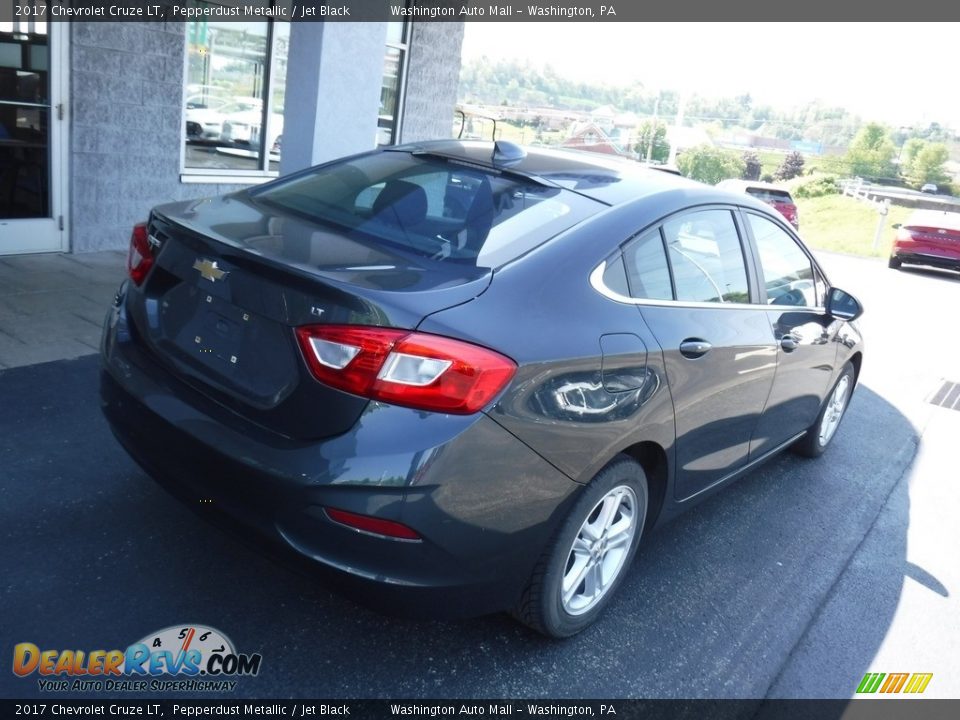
(842, 305)
(897, 226)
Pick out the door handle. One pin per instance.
(694, 347)
(789, 343)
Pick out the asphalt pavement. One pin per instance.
(793, 582)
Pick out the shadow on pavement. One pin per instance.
(718, 604)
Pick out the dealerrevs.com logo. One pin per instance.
(178, 658)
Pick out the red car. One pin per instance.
(773, 195)
(929, 237)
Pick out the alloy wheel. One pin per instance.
(599, 550)
(835, 407)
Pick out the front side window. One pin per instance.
(787, 272)
(430, 207)
(234, 96)
(706, 257)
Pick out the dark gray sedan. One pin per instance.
(463, 377)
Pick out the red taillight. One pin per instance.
(140, 257)
(377, 526)
(417, 370)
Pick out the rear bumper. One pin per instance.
(912, 257)
(484, 504)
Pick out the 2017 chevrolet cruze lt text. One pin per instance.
(466, 377)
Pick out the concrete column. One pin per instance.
(334, 76)
(433, 75)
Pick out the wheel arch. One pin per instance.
(856, 360)
(653, 459)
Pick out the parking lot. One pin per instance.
(794, 582)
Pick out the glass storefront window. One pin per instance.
(281, 46)
(391, 91)
(24, 123)
(233, 100)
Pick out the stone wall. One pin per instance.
(433, 77)
(126, 127)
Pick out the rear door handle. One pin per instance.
(789, 343)
(694, 347)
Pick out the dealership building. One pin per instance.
(100, 121)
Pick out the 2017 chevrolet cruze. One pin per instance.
(471, 377)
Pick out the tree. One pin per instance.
(927, 166)
(935, 133)
(661, 148)
(709, 164)
(751, 165)
(872, 152)
(908, 153)
(791, 167)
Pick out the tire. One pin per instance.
(824, 428)
(582, 552)
(894, 262)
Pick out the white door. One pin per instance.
(33, 76)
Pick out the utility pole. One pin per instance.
(653, 128)
(679, 123)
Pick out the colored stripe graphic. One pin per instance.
(918, 683)
(870, 682)
(894, 683)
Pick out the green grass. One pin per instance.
(770, 160)
(837, 223)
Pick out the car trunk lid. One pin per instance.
(935, 232)
(232, 280)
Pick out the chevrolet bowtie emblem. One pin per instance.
(209, 270)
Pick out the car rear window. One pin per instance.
(433, 207)
(770, 196)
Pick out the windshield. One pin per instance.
(431, 206)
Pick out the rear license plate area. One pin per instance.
(246, 354)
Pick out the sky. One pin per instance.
(896, 73)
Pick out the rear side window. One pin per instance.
(615, 277)
(435, 208)
(647, 270)
(707, 257)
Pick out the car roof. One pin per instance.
(607, 179)
(742, 185)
